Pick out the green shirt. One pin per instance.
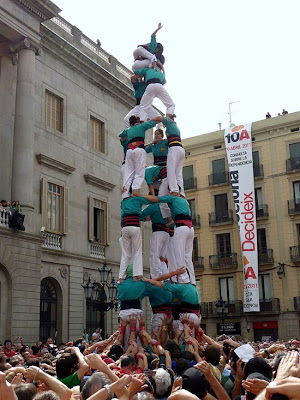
(187, 293)
(71, 380)
(138, 130)
(129, 290)
(153, 210)
(158, 296)
(152, 45)
(151, 73)
(139, 89)
(152, 173)
(133, 205)
(178, 205)
(171, 128)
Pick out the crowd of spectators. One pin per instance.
(170, 364)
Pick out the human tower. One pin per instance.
(171, 287)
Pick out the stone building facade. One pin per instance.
(217, 255)
(62, 103)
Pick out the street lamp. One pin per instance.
(96, 293)
(222, 311)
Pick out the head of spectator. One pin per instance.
(163, 383)
(115, 352)
(212, 355)
(181, 365)
(16, 361)
(258, 364)
(128, 363)
(35, 350)
(93, 384)
(194, 381)
(25, 391)
(173, 348)
(66, 365)
(47, 395)
(48, 342)
(143, 396)
(32, 361)
(187, 355)
(7, 345)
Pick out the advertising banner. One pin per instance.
(238, 144)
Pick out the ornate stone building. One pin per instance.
(62, 103)
(217, 254)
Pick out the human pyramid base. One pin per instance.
(171, 288)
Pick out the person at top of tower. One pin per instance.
(145, 55)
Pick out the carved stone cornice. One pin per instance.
(55, 164)
(93, 180)
(40, 9)
(26, 44)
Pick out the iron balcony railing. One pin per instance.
(270, 306)
(190, 183)
(293, 164)
(258, 171)
(295, 253)
(198, 262)
(196, 220)
(265, 256)
(218, 178)
(235, 307)
(204, 310)
(221, 217)
(262, 211)
(219, 261)
(294, 206)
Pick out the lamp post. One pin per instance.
(222, 311)
(102, 296)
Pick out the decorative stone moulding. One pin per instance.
(93, 180)
(55, 164)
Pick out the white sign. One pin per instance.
(239, 155)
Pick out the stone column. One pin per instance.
(8, 73)
(23, 143)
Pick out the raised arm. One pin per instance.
(157, 29)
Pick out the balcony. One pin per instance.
(52, 241)
(235, 308)
(4, 213)
(220, 261)
(190, 183)
(97, 250)
(294, 206)
(295, 253)
(216, 218)
(218, 178)
(262, 212)
(297, 304)
(258, 171)
(196, 221)
(198, 262)
(204, 309)
(269, 306)
(293, 164)
(265, 256)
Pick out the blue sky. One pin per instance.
(216, 52)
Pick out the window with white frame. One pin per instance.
(264, 284)
(54, 111)
(227, 288)
(97, 134)
(54, 207)
(99, 231)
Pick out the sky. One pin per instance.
(216, 51)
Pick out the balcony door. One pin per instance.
(221, 207)
(223, 245)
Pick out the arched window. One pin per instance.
(48, 310)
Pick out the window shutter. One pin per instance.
(108, 223)
(44, 190)
(66, 211)
(91, 221)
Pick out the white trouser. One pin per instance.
(183, 249)
(134, 171)
(158, 248)
(125, 315)
(131, 251)
(155, 90)
(156, 321)
(171, 257)
(164, 191)
(175, 161)
(140, 64)
(152, 113)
